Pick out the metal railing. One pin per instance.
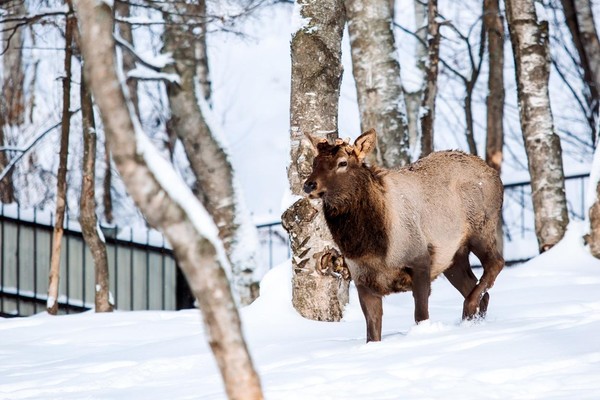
(520, 242)
(143, 273)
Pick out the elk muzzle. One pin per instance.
(309, 186)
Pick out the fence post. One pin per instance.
(35, 264)
(18, 256)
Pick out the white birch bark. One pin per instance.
(215, 177)
(167, 204)
(580, 20)
(320, 292)
(590, 41)
(414, 95)
(544, 155)
(376, 72)
(427, 111)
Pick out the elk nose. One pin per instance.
(309, 187)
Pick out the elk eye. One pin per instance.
(342, 164)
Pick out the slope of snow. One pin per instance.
(540, 340)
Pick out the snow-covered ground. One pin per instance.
(540, 341)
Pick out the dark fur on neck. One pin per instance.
(355, 213)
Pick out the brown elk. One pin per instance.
(400, 229)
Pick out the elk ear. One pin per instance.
(364, 144)
(314, 142)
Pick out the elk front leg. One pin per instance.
(421, 288)
(373, 312)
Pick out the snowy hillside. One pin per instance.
(540, 341)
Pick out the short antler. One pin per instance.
(314, 141)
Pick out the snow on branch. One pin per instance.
(25, 149)
(158, 61)
(150, 75)
(13, 23)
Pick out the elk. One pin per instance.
(399, 229)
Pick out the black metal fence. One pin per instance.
(143, 272)
(520, 242)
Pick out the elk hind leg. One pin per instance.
(492, 262)
(372, 309)
(461, 276)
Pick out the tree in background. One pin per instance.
(215, 180)
(87, 215)
(123, 29)
(427, 116)
(12, 101)
(152, 182)
(320, 279)
(414, 94)
(377, 75)
(580, 21)
(530, 47)
(494, 26)
(61, 179)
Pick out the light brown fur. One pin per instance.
(400, 229)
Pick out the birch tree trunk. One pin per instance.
(593, 238)
(208, 159)
(580, 21)
(87, 215)
(414, 95)
(544, 155)
(182, 219)
(431, 74)
(377, 74)
(320, 284)
(12, 101)
(7, 194)
(124, 29)
(494, 25)
(202, 69)
(61, 178)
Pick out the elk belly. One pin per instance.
(379, 277)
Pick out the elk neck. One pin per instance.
(355, 212)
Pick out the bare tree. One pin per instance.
(202, 69)
(377, 75)
(530, 47)
(494, 25)
(431, 74)
(593, 238)
(208, 159)
(6, 187)
(414, 96)
(319, 291)
(107, 185)
(469, 79)
(87, 214)
(12, 100)
(12, 103)
(61, 180)
(580, 21)
(152, 181)
(124, 31)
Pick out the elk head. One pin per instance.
(333, 163)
